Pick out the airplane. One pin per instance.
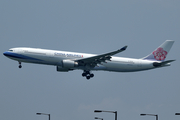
(67, 61)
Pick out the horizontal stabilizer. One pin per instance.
(156, 64)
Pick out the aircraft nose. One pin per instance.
(6, 54)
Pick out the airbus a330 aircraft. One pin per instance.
(66, 61)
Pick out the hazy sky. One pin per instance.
(93, 26)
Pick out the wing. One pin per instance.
(93, 61)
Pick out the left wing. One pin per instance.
(93, 61)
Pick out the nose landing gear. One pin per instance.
(87, 74)
(20, 66)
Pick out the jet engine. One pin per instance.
(66, 65)
(60, 69)
(69, 64)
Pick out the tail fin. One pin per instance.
(161, 52)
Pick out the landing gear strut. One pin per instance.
(20, 66)
(87, 74)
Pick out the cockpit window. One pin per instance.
(11, 50)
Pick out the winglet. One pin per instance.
(124, 48)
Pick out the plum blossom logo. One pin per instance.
(160, 54)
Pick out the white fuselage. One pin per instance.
(53, 57)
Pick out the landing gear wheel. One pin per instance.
(87, 74)
(91, 75)
(20, 66)
(88, 77)
(83, 74)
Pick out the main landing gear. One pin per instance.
(20, 66)
(87, 74)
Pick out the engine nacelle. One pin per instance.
(60, 69)
(69, 64)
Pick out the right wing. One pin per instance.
(93, 61)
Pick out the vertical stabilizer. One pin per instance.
(161, 52)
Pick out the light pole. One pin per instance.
(98, 118)
(108, 111)
(43, 114)
(151, 115)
